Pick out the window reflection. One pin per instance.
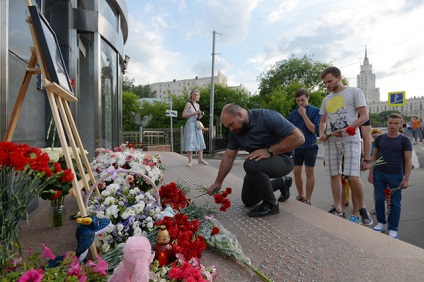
(109, 95)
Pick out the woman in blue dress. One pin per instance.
(193, 137)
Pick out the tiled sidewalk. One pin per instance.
(301, 243)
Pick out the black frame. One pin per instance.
(50, 50)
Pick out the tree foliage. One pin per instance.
(278, 85)
(130, 107)
(142, 91)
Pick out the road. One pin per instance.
(411, 226)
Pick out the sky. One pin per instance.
(173, 39)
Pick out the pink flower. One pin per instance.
(101, 266)
(74, 268)
(32, 275)
(82, 278)
(47, 253)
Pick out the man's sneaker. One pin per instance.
(285, 189)
(366, 217)
(337, 213)
(379, 227)
(355, 219)
(393, 234)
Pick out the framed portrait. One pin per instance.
(50, 50)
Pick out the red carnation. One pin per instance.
(215, 230)
(57, 195)
(68, 176)
(350, 131)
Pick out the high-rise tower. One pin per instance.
(366, 81)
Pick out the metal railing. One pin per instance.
(162, 136)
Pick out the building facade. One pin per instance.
(184, 86)
(366, 81)
(91, 36)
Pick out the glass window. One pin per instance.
(19, 35)
(108, 12)
(109, 78)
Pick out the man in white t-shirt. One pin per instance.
(339, 130)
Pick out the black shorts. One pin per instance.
(307, 156)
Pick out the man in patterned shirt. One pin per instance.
(306, 117)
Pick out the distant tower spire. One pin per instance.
(366, 62)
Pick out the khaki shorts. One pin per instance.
(351, 150)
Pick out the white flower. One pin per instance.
(125, 215)
(135, 191)
(119, 227)
(137, 231)
(112, 211)
(109, 200)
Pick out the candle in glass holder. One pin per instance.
(163, 248)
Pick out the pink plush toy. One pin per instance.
(135, 265)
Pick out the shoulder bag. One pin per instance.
(199, 124)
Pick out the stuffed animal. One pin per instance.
(90, 226)
(135, 265)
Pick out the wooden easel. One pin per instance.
(58, 99)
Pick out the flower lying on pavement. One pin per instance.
(225, 242)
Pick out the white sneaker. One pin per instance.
(379, 227)
(393, 234)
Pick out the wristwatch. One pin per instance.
(270, 151)
(367, 161)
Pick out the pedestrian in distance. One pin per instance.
(306, 117)
(342, 112)
(269, 139)
(392, 176)
(193, 137)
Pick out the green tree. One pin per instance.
(379, 120)
(278, 85)
(142, 91)
(127, 84)
(130, 107)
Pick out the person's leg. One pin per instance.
(201, 160)
(310, 159)
(297, 172)
(310, 181)
(332, 157)
(336, 189)
(298, 160)
(352, 158)
(379, 186)
(190, 157)
(257, 184)
(395, 202)
(357, 188)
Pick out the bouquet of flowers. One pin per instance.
(130, 159)
(56, 269)
(131, 211)
(129, 197)
(24, 173)
(182, 233)
(57, 190)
